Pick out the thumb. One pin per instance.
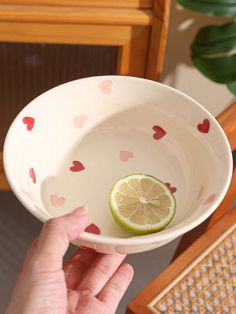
(55, 238)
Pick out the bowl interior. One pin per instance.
(69, 146)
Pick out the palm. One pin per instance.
(82, 286)
(87, 276)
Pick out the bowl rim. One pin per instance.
(161, 236)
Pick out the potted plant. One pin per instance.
(213, 50)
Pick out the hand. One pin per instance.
(89, 283)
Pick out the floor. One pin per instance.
(17, 234)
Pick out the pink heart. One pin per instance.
(29, 121)
(204, 126)
(173, 189)
(210, 199)
(77, 166)
(32, 175)
(125, 155)
(56, 200)
(105, 86)
(79, 121)
(159, 132)
(93, 229)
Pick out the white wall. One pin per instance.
(178, 69)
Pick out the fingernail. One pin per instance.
(81, 211)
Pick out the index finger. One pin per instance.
(55, 237)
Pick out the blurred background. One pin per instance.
(27, 70)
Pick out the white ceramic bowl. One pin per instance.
(70, 144)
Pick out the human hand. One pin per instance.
(89, 283)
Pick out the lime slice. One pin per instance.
(142, 204)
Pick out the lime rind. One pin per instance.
(135, 228)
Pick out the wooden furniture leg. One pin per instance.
(4, 186)
(143, 56)
(227, 119)
(157, 46)
(132, 58)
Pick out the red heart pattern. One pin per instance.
(32, 175)
(29, 121)
(173, 189)
(204, 126)
(159, 132)
(77, 166)
(93, 229)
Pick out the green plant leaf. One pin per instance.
(215, 39)
(220, 70)
(232, 87)
(213, 49)
(211, 7)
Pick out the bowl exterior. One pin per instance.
(120, 249)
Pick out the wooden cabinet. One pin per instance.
(137, 27)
